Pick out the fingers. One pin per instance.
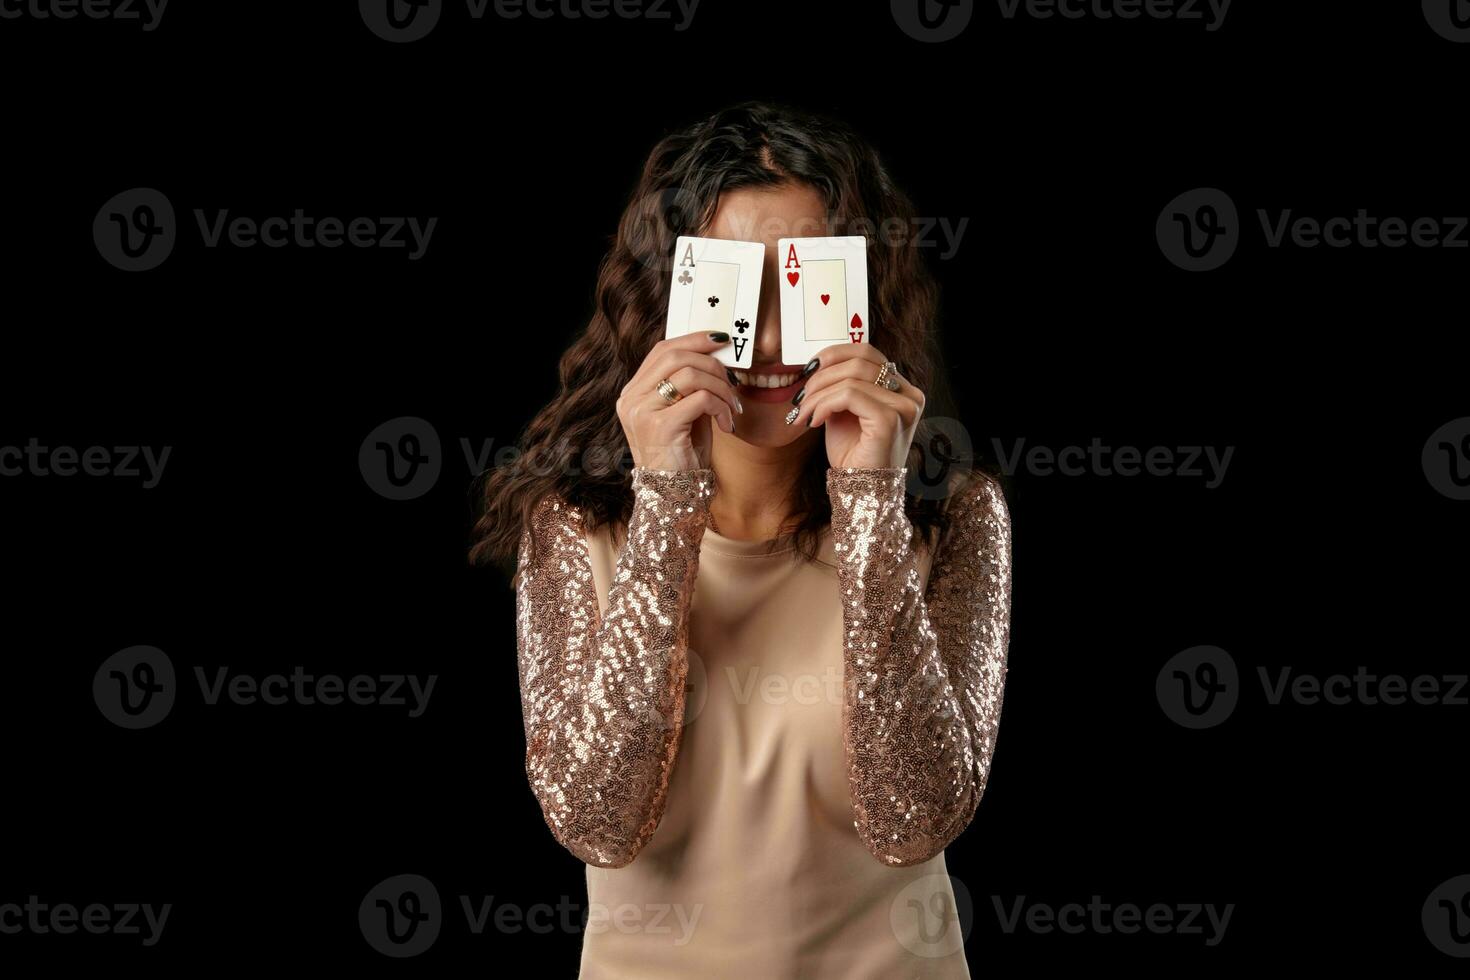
(695, 378)
(670, 420)
(697, 371)
(671, 352)
(846, 352)
(860, 368)
(872, 403)
(664, 432)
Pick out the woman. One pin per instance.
(761, 773)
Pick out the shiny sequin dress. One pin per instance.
(761, 759)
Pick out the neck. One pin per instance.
(754, 486)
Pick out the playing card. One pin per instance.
(717, 286)
(824, 294)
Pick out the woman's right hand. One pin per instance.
(676, 436)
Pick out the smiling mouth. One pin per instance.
(769, 386)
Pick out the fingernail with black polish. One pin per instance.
(811, 366)
(731, 375)
(799, 396)
(719, 335)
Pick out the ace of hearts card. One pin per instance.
(824, 294)
(717, 286)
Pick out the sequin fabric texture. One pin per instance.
(924, 668)
(603, 696)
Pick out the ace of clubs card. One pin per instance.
(717, 286)
(824, 294)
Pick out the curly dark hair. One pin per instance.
(575, 447)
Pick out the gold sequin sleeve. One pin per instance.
(603, 696)
(924, 668)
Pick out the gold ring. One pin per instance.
(892, 384)
(668, 391)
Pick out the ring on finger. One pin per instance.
(888, 377)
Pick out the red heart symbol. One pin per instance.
(791, 277)
(857, 321)
(825, 297)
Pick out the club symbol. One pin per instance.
(686, 278)
(714, 301)
(741, 326)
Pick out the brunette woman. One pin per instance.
(761, 679)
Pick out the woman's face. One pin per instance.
(765, 214)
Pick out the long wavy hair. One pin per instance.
(575, 447)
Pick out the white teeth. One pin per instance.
(765, 380)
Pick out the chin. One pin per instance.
(766, 426)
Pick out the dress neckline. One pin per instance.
(719, 544)
(715, 541)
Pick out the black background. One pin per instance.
(1325, 547)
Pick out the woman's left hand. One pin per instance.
(866, 424)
